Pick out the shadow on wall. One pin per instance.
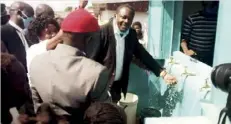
(138, 84)
(141, 84)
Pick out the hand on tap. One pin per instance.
(169, 79)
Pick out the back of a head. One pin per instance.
(44, 10)
(104, 113)
(45, 114)
(29, 11)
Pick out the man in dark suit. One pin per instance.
(118, 45)
(12, 34)
(4, 19)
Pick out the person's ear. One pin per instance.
(116, 16)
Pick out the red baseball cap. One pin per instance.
(80, 21)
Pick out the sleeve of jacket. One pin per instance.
(100, 90)
(149, 62)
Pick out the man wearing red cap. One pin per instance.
(67, 79)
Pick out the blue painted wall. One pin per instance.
(222, 46)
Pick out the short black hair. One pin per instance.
(46, 108)
(104, 113)
(137, 23)
(126, 6)
(37, 26)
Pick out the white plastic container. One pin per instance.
(130, 105)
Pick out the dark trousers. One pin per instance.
(115, 91)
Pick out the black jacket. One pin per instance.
(105, 53)
(13, 43)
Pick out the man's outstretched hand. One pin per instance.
(169, 79)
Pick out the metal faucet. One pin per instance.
(172, 60)
(206, 86)
(187, 73)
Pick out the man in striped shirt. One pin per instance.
(199, 31)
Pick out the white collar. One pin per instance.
(15, 26)
(117, 30)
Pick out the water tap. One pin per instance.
(206, 85)
(187, 73)
(172, 60)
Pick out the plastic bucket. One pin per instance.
(148, 112)
(130, 105)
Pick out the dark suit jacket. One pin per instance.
(106, 54)
(13, 43)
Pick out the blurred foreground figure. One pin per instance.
(104, 113)
(14, 86)
(67, 79)
(221, 79)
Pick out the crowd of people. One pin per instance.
(68, 70)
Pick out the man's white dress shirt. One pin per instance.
(20, 33)
(120, 46)
(35, 50)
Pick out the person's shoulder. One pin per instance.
(41, 58)
(132, 31)
(91, 64)
(6, 28)
(94, 67)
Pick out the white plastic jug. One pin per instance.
(130, 105)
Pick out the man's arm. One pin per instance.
(101, 87)
(149, 62)
(53, 42)
(152, 64)
(186, 31)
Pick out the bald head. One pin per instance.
(18, 5)
(26, 8)
(20, 11)
(44, 10)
